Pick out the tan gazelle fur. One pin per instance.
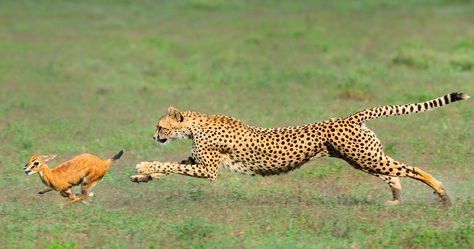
(85, 170)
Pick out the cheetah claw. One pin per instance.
(140, 178)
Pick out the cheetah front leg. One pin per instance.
(206, 168)
(145, 178)
(148, 177)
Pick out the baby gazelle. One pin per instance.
(84, 169)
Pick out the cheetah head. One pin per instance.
(171, 126)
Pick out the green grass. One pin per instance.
(94, 76)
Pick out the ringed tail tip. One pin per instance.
(458, 96)
(117, 156)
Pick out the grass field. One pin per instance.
(94, 76)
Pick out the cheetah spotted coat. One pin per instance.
(225, 141)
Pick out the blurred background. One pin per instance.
(94, 76)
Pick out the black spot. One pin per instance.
(455, 96)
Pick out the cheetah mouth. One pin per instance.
(161, 141)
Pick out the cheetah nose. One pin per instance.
(154, 137)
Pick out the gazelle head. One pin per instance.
(37, 164)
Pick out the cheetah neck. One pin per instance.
(194, 122)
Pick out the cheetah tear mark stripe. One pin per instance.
(395, 110)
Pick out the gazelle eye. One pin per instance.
(35, 164)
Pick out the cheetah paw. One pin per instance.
(140, 178)
(393, 203)
(143, 168)
(146, 178)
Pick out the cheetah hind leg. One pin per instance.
(395, 186)
(400, 169)
(433, 183)
(392, 181)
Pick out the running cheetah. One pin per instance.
(221, 140)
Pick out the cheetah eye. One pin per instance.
(35, 164)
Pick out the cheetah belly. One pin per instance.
(235, 165)
(257, 168)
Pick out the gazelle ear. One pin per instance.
(48, 157)
(175, 114)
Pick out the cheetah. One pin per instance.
(225, 141)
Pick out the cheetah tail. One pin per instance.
(395, 110)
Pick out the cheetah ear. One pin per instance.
(48, 157)
(175, 113)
